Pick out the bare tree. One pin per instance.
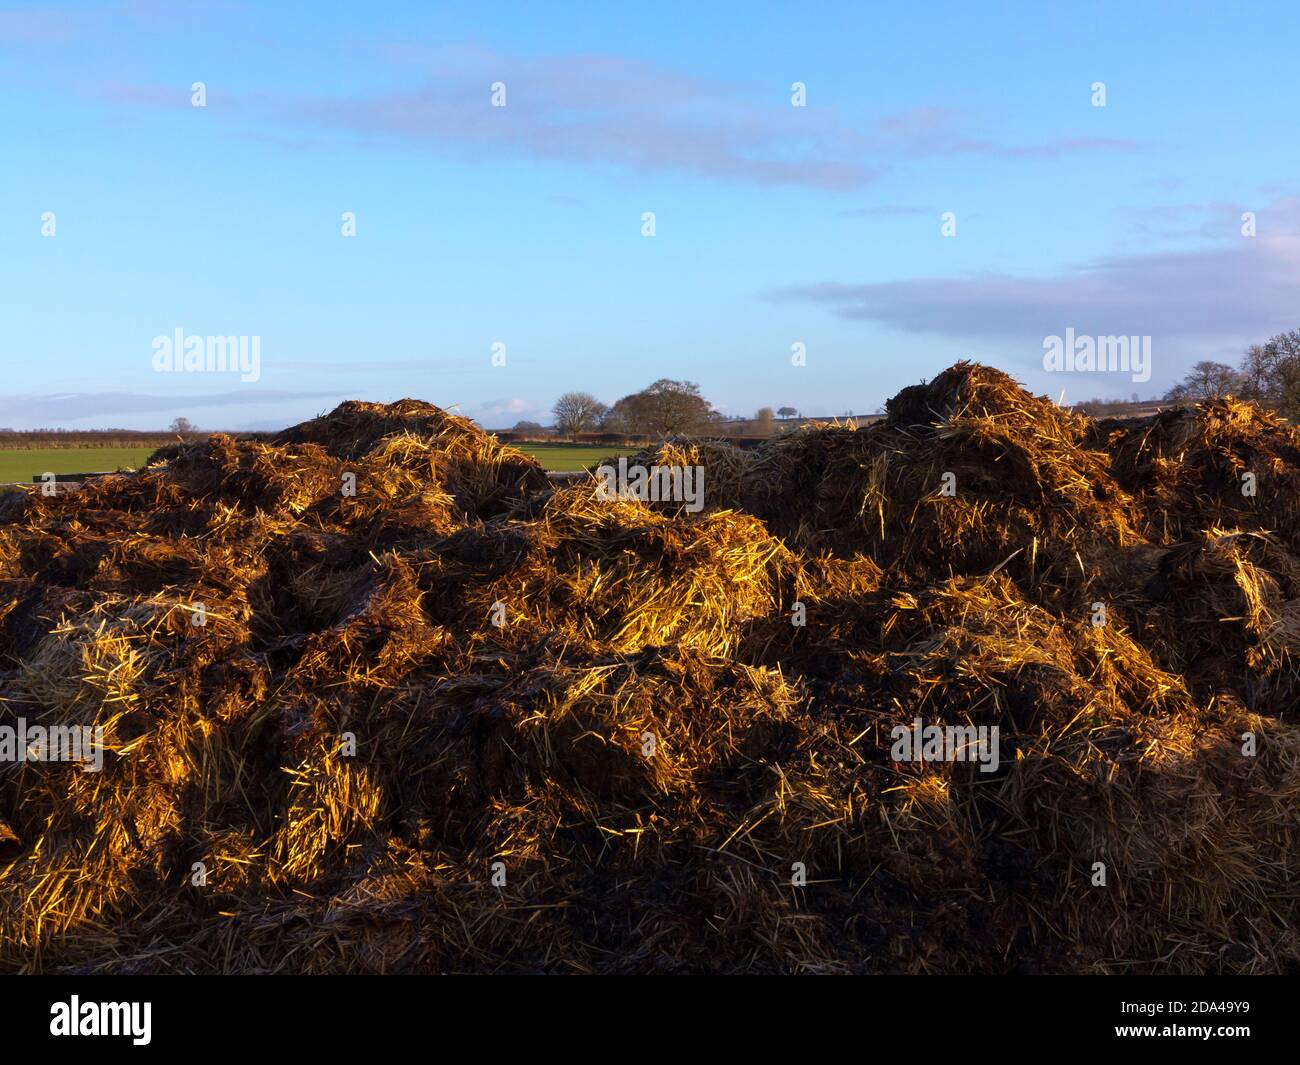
(182, 426)
(1257, 373)
(1270, 373)
(1206, 380)
(765, 421)
(577, 412)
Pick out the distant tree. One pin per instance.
(1257, 373)
(1206, 380)
(1103, 408)
(765, 421)
(577, 412)
(182, 425)
(528, 427)
(1270, 373)
(786, 412)
(618, 418)
(666, 408)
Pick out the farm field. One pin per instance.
(21, 464)
(563, 458)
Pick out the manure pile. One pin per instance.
(376, 696)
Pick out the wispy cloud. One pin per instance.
(608, 111)
(625, 114)
(942, 131)
(35, 26)
(131, 94)
(55, 26)
(1209, 221)
(1239, 287)
(504, 413)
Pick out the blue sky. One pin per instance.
(522, 225)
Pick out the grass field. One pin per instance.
(560, 458)
(24, 464)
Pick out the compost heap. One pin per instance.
(377, 696)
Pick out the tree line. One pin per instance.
(1268, 374)
(663, 409)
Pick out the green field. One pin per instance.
(560, 458)
(22, 464)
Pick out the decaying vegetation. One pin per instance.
(349, 766)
